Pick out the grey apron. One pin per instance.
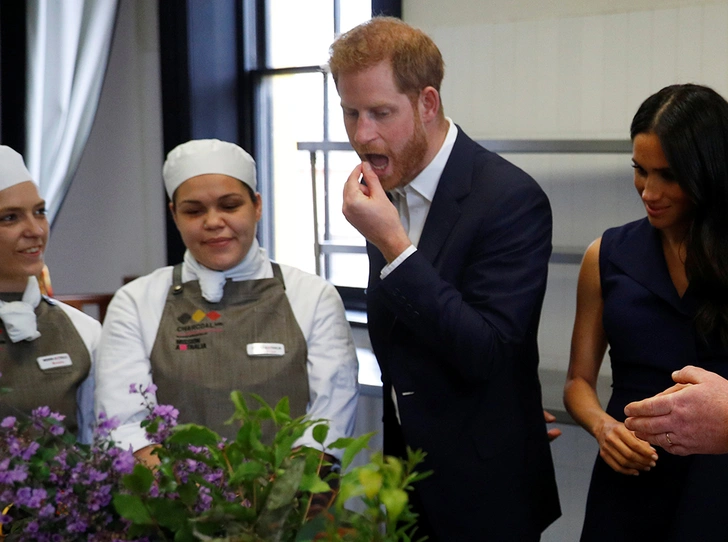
(32, 386)
(204, 350)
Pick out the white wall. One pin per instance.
(112, 222)
(571, 75)
(528, 69)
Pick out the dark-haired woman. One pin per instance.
(654, 291)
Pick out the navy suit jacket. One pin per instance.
(454, 330)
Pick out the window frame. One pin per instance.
(258, 71)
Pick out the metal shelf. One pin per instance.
(520, 146)
(560, 255)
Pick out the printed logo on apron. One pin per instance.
(191, 334)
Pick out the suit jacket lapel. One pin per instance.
(445, 210)
(640, 256)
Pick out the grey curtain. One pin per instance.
(68, 50)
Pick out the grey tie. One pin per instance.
(399, 198)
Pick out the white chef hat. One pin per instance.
(202, 156)
(12, 168)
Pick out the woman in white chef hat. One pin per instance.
(47, 348)
(227, 318)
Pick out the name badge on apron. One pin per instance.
(54, 361)
(266, 350)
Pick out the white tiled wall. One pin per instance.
(579, 76)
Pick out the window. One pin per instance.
(296, 102)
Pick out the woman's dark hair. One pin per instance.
(691, 122)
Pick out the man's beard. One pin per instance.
(407, 163)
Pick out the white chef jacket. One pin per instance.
(130, 329)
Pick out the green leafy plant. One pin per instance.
(245, 490)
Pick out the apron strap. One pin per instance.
(177, 286)
(277, 273)
(177, 279)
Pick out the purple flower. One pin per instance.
(33, 499)
(47, 511)
(39, 495)
(41, 412)
(57, 430)
(14, 446)
(61, 459)
(204, 499)
(123, 460)
(18, 474)
(105, 426)
(70, 498)
(96, 476)
(30, 450)
(165, 411)
(133, 388)
(8, 422)
(77, 525)
(99, 498)
(213, 477)
(164, 418)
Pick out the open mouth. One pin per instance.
(379, 162)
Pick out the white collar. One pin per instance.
(426, 182)
(19, 316)
(255, 265)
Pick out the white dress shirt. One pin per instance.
(414, 199)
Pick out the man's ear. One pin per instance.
(429, 104)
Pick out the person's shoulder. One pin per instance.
(79, 319)
(159, 278)
(614, 237)
(306, 286)
(295, 277)
(618, 233)
(490, 169)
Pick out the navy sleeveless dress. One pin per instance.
(651, 334)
